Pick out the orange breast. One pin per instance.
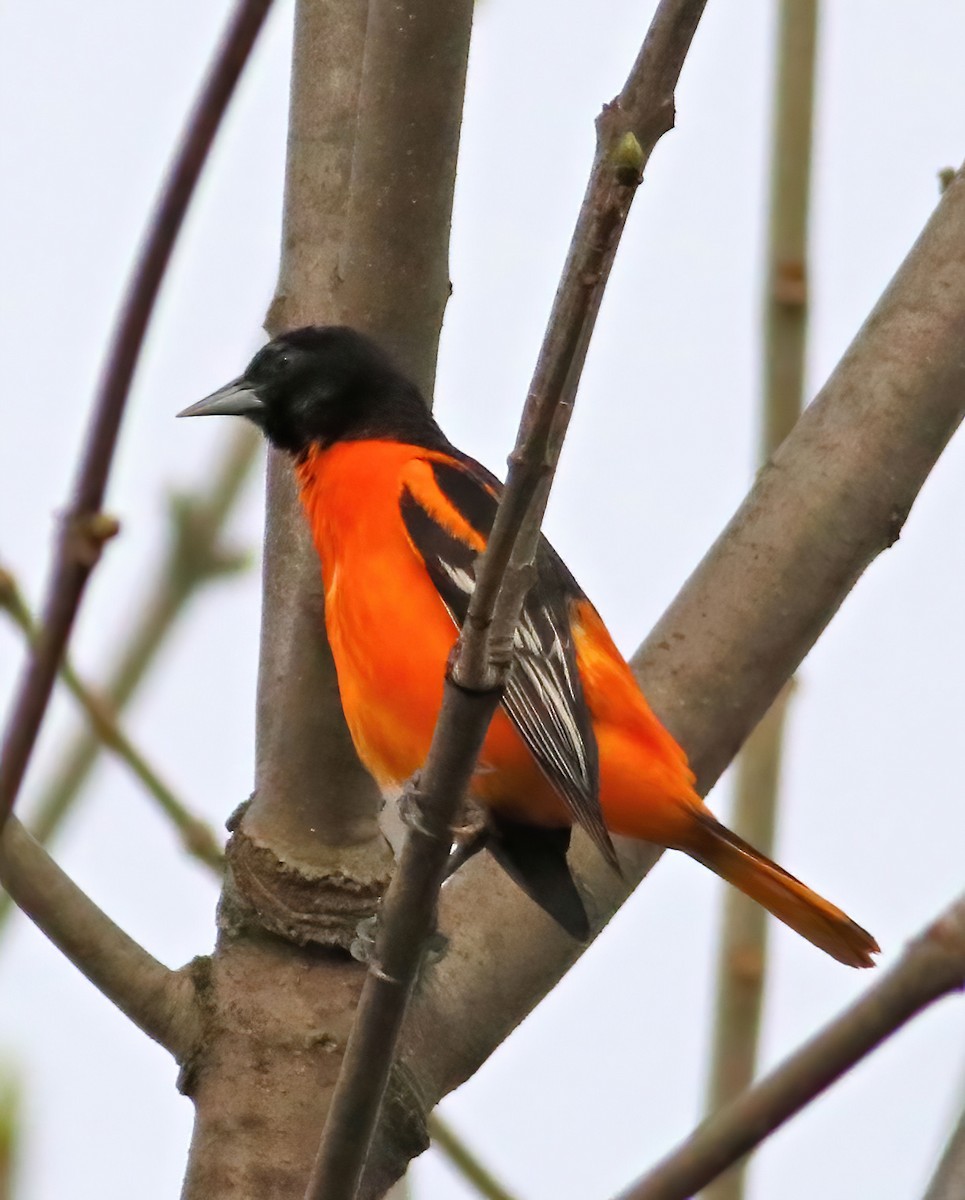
(390, 633)
(391, 636)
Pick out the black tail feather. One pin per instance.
(535, 860)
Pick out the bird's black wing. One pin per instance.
(543, 696)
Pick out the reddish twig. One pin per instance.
(627, 131)
(84, 528)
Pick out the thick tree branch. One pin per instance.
(932, 966)
(627, 132)
(314, 807)
(369, 182)
(158, 1000)
(741, 971)
(834, 496)
(374, 131)
(197, 837)
(84, 528)
(403, 178)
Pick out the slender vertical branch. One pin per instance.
(84, 527)
(196, 835)
(932, 966)
(627, 130)
(10, 1131)
(786, 296)
(741, 971)
(741, 966)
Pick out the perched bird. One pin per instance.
(398, 517)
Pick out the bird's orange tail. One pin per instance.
(781, 894)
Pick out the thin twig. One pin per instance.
(197, 836)
(84, 528)
(445, 1139)
(948, 1182)
(741, 972)
(627, 131)
(11, 1106)
(160, 1001)
(933, 965)
(196, 555)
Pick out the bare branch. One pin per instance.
(948, 1182)
(158, 1000)
(835, 495)
(627, 132)
(786, 297)
(84, 528)
(741, 968)
(932, 966)
(743, 942)
(403, 177)
(371, 169)
(445, 1139)
(195, 555)
(11, 1101)
(197, 837)
(308, 860)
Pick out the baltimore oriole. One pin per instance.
(398, 516)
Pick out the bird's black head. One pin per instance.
(320, 385)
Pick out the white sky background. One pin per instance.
(610, 1070)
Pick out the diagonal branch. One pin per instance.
(932, 966)
(84, 529)
(160, 1001)
(197, 837)
(835, 495)
(462, 1159)
(627, 131)
(196, 554)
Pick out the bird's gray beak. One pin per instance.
(236, 399)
